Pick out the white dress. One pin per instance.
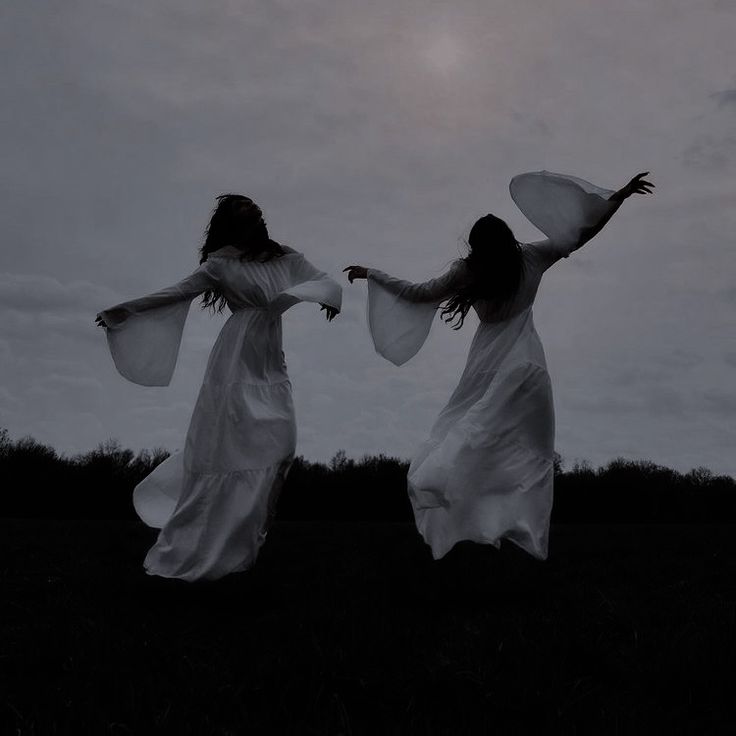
(213, 501)
(486, 471)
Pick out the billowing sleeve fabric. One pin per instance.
(568, 210)
(400, 313)
(144, 334)
(308, 284)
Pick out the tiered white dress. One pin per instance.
(213, 501)
(486, 471)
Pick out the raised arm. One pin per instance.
(568, 210)
(185, 290)
(637, 185)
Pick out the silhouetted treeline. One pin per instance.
(38, 482)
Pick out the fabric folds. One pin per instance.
(214, 500)
(485, 473)
(400, 313)
(568, 210)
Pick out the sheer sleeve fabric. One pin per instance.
(568, 210)
(400, 313)
(144, 334)
(309, 284)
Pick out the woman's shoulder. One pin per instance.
(459, 268)
(227, 251)
(230, 252)
(540, 253)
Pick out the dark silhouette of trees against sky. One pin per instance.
(38, 482)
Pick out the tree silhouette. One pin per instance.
(38, 482)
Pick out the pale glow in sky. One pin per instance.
(445, 54)
(371, 133)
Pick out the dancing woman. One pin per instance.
(486, 471)
(213, 501)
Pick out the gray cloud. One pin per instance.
(711, 151)
(376, 133)
(730, 358)
(726, 98)
(721, 402)
(38, 293)
(714, 144)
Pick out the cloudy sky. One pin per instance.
(372, 133)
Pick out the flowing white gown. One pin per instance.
(213, 501)
(486, 471)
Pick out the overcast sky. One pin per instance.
(376, 133)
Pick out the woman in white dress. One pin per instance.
(486, 471)
(213, 501)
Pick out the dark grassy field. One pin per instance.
(353, 629)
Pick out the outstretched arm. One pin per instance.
(568, 210)
(312, 285)
(186, 290)
(400, 313)
(144, 334)
(637, 185)
(426, 292)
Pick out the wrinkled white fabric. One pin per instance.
(213, 501)
(486, 471)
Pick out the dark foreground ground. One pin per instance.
(353, 629)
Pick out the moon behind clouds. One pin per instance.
(444, 54)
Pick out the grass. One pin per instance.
(353, 629)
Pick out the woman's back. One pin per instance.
(251, 283)
(487, 311)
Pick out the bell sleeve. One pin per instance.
(144, 334)
(400, 313)
(568, 210)
(308, 284)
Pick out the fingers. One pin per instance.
(355, 272)
(644, 187)
(640, 185)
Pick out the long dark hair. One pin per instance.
(238, 221)
(496, 264)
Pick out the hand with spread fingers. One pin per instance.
(356, 272)
(638, 185)
(114, 315)
(330, 312)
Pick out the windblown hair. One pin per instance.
(496, 264)
(237, 221)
